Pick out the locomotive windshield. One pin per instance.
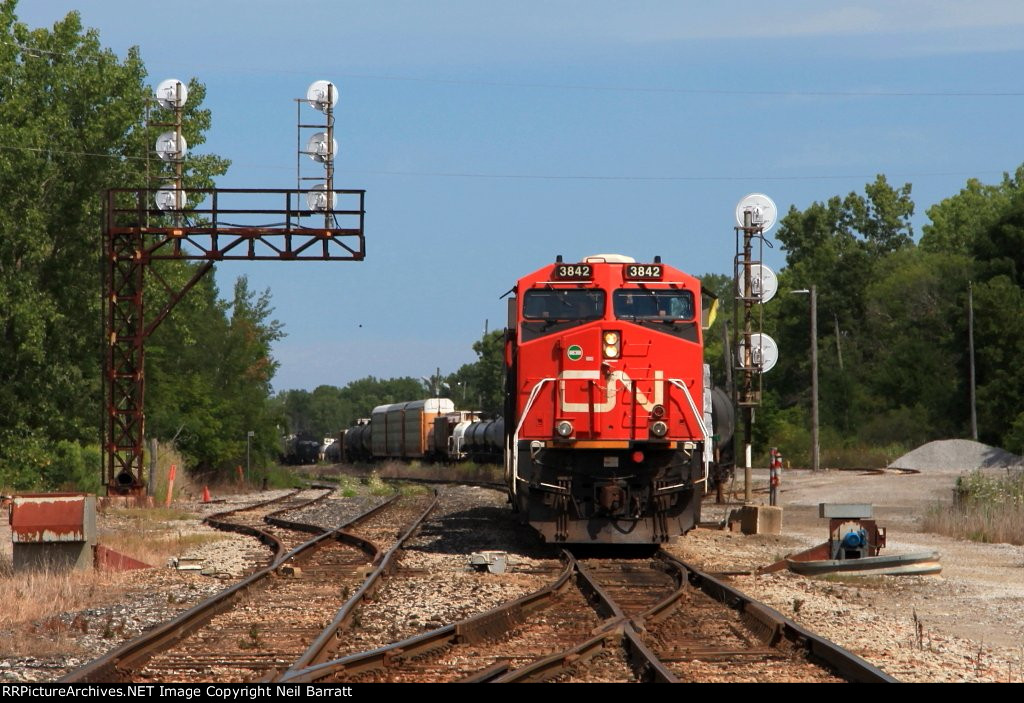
(563, 304)
(645, 304)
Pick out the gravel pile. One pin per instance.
(957, 455)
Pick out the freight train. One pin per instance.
(428, 430)
(609, 431)
(299, 449)
(612, 431)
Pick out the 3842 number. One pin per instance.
(643, 271)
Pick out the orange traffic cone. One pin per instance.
(206, 494)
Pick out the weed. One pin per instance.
(412, 489)
(151, 515)
(377, 486)
(979, 658)
(110, 629)
(348, 486)
(918, 630)
(253, 640)
(987, 509)
(33, 595)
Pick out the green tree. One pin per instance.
(72, 123)
(329, 409)
(480, 384)
(999, 340)
(958, 220)
(837, 246)
(721, 286)
(207, 397)
(916, 313)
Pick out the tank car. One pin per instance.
(355, 441)
(608, 403)
(300, 449)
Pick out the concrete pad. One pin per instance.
(761, 520)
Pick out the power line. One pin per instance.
(41, 150)
(556, 177)
(610, 88)
(700, 91)
(697, 178)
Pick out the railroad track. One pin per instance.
(610, 620)
(265, 521)
(275, 616)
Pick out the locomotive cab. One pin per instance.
(606, 385)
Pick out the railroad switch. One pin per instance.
(852, 534)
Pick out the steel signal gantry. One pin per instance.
(136, 234)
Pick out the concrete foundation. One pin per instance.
(760, 520)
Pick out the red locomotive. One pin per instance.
(608, 404)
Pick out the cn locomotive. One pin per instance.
(608, 410)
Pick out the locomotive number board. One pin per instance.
(644, 272)
(574, 272)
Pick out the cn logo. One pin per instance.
(614, 379)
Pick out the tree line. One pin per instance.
(73, 123)
(327, 410)
(893, 334)
(892, 307)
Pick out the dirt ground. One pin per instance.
(965, 624)
(980, 592)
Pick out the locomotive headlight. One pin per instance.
(659, 429)
(563, 428)
(611, 349)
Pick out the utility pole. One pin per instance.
(816, 447)
(970, 346)
(248, 463)
(815, 443)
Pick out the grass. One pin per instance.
(412, 489)
(155, 515)
(165, 456)
(46, 611)
(149, 538)
(31, 599)
(348, 486)
(377, 487)
(464, 471)
(156, 547)
(861, 457)
(277, 476)
(986, 508)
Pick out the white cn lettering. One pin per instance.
(614, 378)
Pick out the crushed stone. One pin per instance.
(957, 455)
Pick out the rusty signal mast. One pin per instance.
(145, 225)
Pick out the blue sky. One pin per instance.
(492, 136)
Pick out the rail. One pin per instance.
(118, 663)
